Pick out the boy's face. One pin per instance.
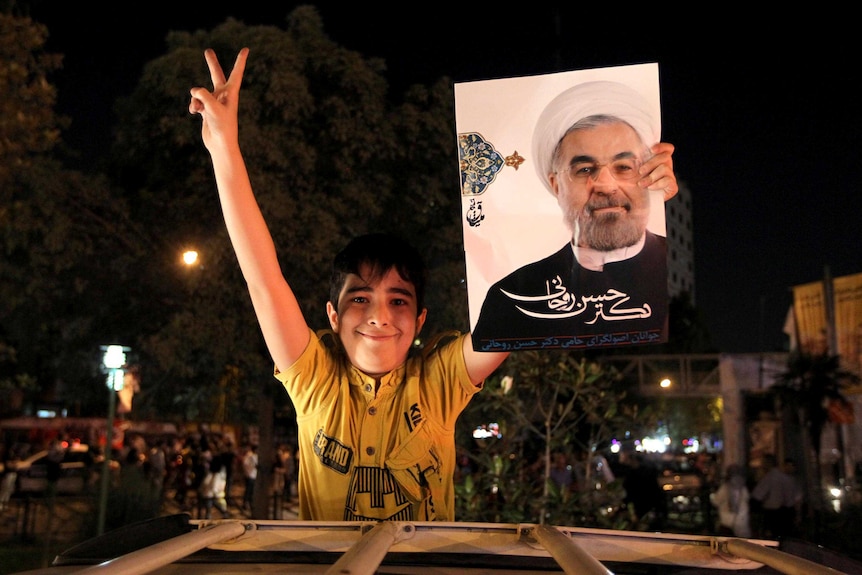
(376, 322)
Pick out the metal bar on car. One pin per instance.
(568, 554)
(779, 560)
(364, 556)
(150, 558)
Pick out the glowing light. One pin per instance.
(115, 357)
(190, 257)
(487, 431)
(654, 445)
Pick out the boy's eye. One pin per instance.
(399, 301)
(360, 299)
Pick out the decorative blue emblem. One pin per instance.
(479, 162)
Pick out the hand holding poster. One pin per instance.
(564, 247)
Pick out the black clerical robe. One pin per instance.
(556, 303)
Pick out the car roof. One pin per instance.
(175, 544)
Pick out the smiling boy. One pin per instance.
(376, 429)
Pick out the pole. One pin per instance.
(148, 559)
(106, 465)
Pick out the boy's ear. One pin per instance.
(420, 321)
(332, 314)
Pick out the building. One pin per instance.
(680, 243)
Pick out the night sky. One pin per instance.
(764, 114)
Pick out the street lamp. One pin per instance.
(113, 361)
(190, 257)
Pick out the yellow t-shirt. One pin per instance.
(384, 457)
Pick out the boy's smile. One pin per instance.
(376, 322)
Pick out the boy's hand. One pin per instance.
(219, 108)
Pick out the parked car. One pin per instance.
(686, 503)
(680, 482)
(75, 472)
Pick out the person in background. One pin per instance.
(10, 475)
(643, 495)
(561, 472)
(732, 502)
(228, 458)
(799, 497)
(250, 464)
(157, 459)
(212, 488)
(286, 466)
(776, 496)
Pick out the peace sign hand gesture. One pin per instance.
(219, 108)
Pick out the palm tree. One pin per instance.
(811, 384)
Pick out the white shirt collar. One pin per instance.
(595, 260)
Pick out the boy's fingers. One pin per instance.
(216, 73)
(238, 67)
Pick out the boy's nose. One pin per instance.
(378, 314)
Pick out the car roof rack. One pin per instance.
(361, 548)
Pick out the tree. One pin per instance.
(28, 126)
(60, 234)
(330, 154)
(545, 401)
(91, 259)
(811, 383)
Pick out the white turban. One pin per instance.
(589, 99)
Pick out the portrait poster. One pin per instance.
(847, 295)
(512, 219)
(810, 315)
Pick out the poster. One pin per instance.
(810, 314)
(525, 290)
(847, 294)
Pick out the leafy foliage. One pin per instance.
(94, 259)
(58, 232)
(330, 156)
(545, 401)
(808, 387)
(809, 384)
(28, 125)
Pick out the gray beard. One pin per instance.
(606, 232)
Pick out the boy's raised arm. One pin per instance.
(279, 315)
(481, 364)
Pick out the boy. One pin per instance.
(376, 429)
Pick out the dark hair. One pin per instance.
(381, 252)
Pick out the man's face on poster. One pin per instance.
(596, 185)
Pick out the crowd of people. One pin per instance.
(209, 476)
(195, 472)
(763, 501)
(766, 502)
(209, 472)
